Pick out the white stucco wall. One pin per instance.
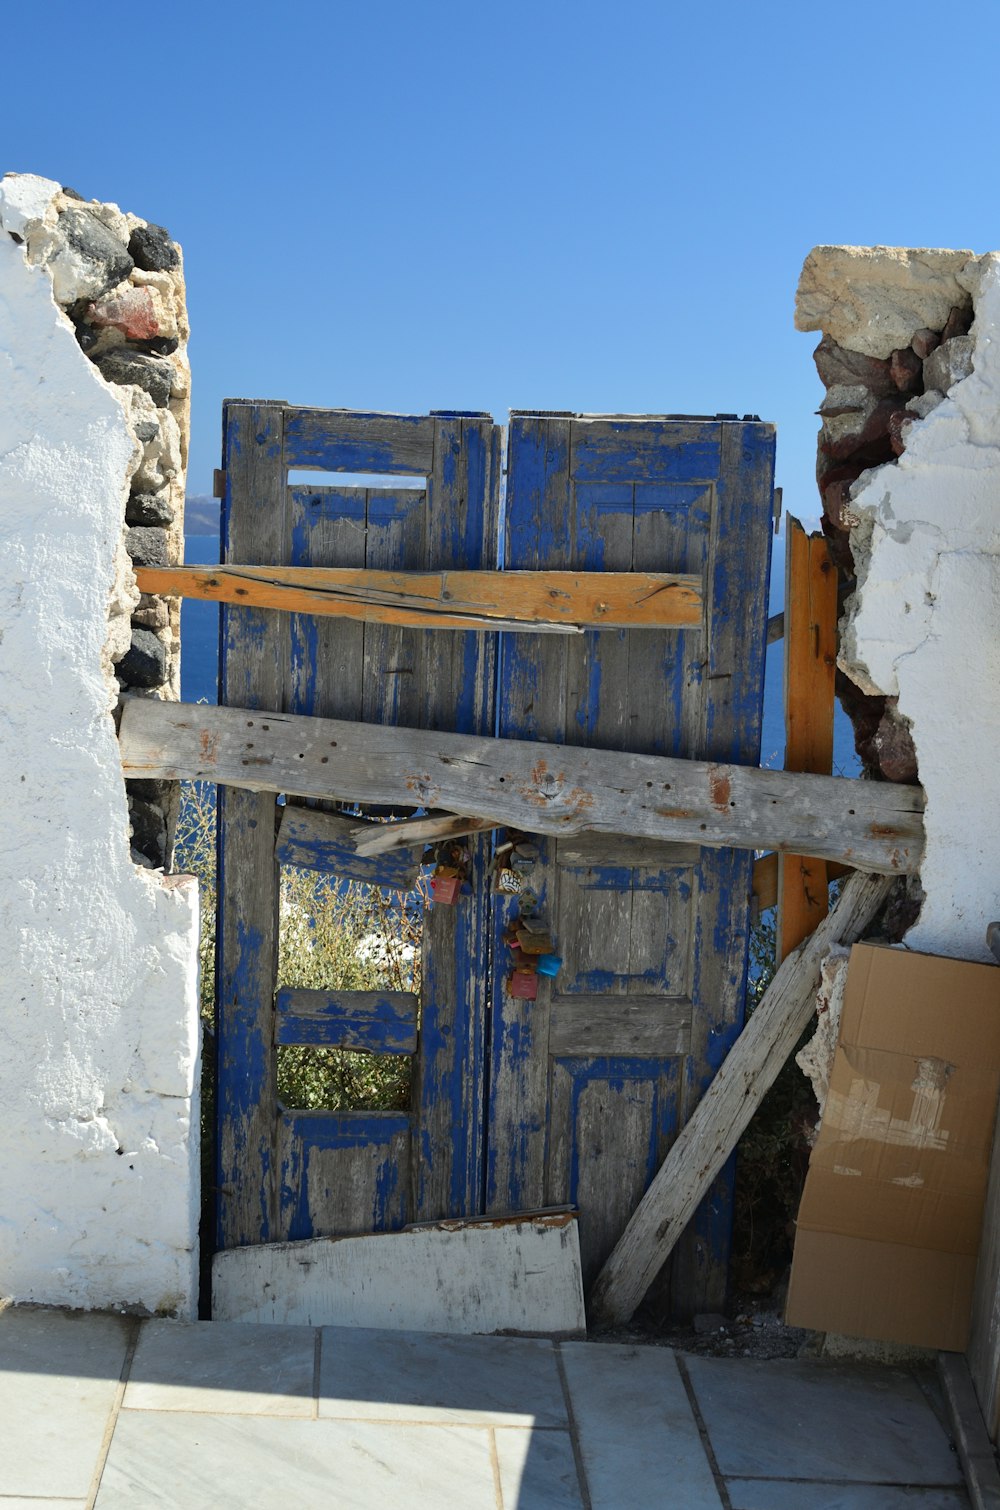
(99, 1034)
(925, 625)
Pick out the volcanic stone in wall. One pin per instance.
(120, 280)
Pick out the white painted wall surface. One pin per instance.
(98, 982)
(926, 626)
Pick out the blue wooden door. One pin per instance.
(285, 1173)
(590, 1082)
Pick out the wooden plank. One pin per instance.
(343, 1173)
(381, 1022)
(556, 602)
(541, 788)
(253, 531)
(810, 669)
(383, 838)
(625, 850)
(632, 1026)
(347, 440)
(513, 1277)
(726, 1108)
(723, 724)
(975, 1451)
(314, 840)
(532, 691)
(765, 878)
(455, 689)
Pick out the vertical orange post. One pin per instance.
(810, 667)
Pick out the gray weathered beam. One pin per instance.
(725, 1110)
(541, 788)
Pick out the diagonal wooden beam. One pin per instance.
(725, 1110)
(556, 602)
(540, 788)
(383, 838)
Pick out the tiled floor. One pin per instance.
(99, 1411)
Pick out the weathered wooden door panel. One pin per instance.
(588, 1085)
(592, 1080)
(289, 1174)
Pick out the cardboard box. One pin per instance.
(889, 1226)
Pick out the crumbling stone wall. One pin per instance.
(99, 1019)
(909, 473)
(120, 281)
(895, 329)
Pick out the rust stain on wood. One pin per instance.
(721, 789)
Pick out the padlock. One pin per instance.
(534, 943)
(548, 964)
(445, 889)
(523, 984)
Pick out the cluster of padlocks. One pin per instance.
(527, 935)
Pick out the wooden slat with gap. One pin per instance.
(314, 840)
(546, 789)
(724, 1111)
(810, 668)
(381, 1022)
(254, 651)
(557, 602)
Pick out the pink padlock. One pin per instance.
(523, 984)
(446, 889)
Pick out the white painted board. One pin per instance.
(519, 1277)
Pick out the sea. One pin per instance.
(200, 647)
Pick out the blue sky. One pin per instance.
(544, 205)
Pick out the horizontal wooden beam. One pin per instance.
(725, 1110)
(382, 1022)
(560, 602)
(313, 840)
(539, 788)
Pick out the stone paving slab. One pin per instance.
(33, 1502)
(59, 1378)
(206, 1462)
(434, 1377)
(785, 1494)
(809, 1419)
(236, 1417)
(223, 1368)
(537, 1470)
(638, 1436)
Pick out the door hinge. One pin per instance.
(218, 483)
